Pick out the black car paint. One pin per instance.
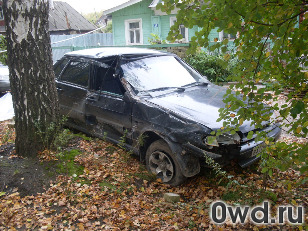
(4, 79)
(181, 118)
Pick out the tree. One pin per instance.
(93, 16)
(271, 48)
(108, 28)
(32, 78)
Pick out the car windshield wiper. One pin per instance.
(166, 88)
(195, 84)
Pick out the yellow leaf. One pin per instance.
(232, 115)
(259, 73)
(122, 213)
(267, 142)
(298, 130)
(80, 226)
(294, 202)
(267, 54)
(230, 25)
(227, 57)
(241, 121)
(215, 39)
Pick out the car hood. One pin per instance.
(200, 104)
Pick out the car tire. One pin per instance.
(161, 161)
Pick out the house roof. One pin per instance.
(126, 4)
(129, 3)
(64, 17)
(154, 3)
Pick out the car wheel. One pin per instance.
(161, 161)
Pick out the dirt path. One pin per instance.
(25, 175)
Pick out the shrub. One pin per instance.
(214, 67)
(3, 55)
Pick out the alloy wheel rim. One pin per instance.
(161, 165)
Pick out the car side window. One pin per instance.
(58, 67)
(77, 72)
(105, 80)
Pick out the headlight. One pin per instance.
(225, 139)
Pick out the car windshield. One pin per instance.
(159, 73)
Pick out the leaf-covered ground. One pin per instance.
(101, 187)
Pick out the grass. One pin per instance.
(107, 184)
(248, 195)
(66, 164)
(83, 136)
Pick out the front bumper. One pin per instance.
(246, 154)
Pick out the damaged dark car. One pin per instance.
(163, 108)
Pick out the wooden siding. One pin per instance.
(136, 11)
(142, 11)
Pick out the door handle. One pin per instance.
(59, 89)
(91, 99)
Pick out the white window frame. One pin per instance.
(1, 13)
(221, 36)
(172, 19)
(127, 34)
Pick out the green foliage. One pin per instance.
(223, 175)
(155, 39)
(51, 135)
(6, 135)
(108, 28)
(66, 164)
(271, 48)
(62, 139)
(214, 67)
(83, 136)
(122, 140)
(93, 16)
(3, 47)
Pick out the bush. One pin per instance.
(214, 67)
(3, 55)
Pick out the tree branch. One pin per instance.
(267, 24)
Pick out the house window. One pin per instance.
(223, 36)
(183, 31)
(1, 13)
(133, 32)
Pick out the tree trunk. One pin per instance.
(31, 73)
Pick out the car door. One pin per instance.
(72, 87)
(107, 110)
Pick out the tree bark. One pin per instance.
(32, 77)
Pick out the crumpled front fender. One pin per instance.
(189, 164)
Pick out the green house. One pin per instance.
(134, 21)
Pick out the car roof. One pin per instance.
(98, 53)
